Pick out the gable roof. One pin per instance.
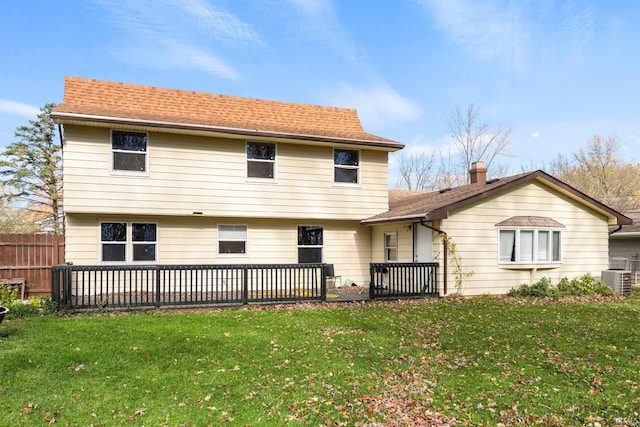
(98, 101)
(429, 205)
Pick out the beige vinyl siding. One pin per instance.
(405, 241)
(189, 240)
(584, 239)
(189, 174)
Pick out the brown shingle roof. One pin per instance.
(112, 102)
(428, 205)
(530, 221)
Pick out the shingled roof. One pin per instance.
(90, 100)
(429, 205)
(630, 229)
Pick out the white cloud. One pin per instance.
(18, 109)
(535, 135)
(319, 22)
(487, 30)
(176, 34)
(378, 106)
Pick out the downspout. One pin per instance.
(616, 230)
(444, 244)
(60, 135)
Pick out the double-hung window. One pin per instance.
(390, 247)
(113, 237)
(144, 241)
(530, 246)
(129, 151)
(346, 166)
(261, 160)
(309, 244)
(119, 239)
(232, 239)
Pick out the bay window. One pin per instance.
(529, 246)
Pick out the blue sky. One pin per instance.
(557, 72)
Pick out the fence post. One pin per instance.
(323, 283)
(55, 286)
(245, 285)
(158, 288)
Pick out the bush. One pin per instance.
(34, 306)
(542, 288)
(8, 294)
(584, 285)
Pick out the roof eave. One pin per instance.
(62, 117)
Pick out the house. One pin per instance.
(506, 231)
(166, 176)
(624, 245)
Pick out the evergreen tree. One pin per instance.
(31, 169)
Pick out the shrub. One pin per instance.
(34, 306)
(542, 288)
(584, 285)
(8, 294)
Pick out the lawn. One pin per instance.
(481, 361)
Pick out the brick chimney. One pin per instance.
(478, 173)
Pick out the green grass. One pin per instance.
(481, 361)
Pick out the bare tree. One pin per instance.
(416, 171)
(599, 171)
(477, 141)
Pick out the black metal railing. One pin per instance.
(95, 287)
(403, 280)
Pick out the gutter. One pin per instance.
(445, 261)
(59, 117)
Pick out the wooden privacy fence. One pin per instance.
(31, 256)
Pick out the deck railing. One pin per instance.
(95, 287)
(403, 280)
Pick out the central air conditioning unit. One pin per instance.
(618, 280)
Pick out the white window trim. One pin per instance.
(126, 172)
(310, 246)
(130, 238)
(128, 250)
(347, 184)
(101, 242)
(274, 161)
(386, 248)
(535, 260)
(246, 241)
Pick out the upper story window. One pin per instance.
(232, 239)
(390, 247)
(129, 151)
(309, 244)
(261, 160)
(346, 166)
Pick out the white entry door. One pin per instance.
(422, 243)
